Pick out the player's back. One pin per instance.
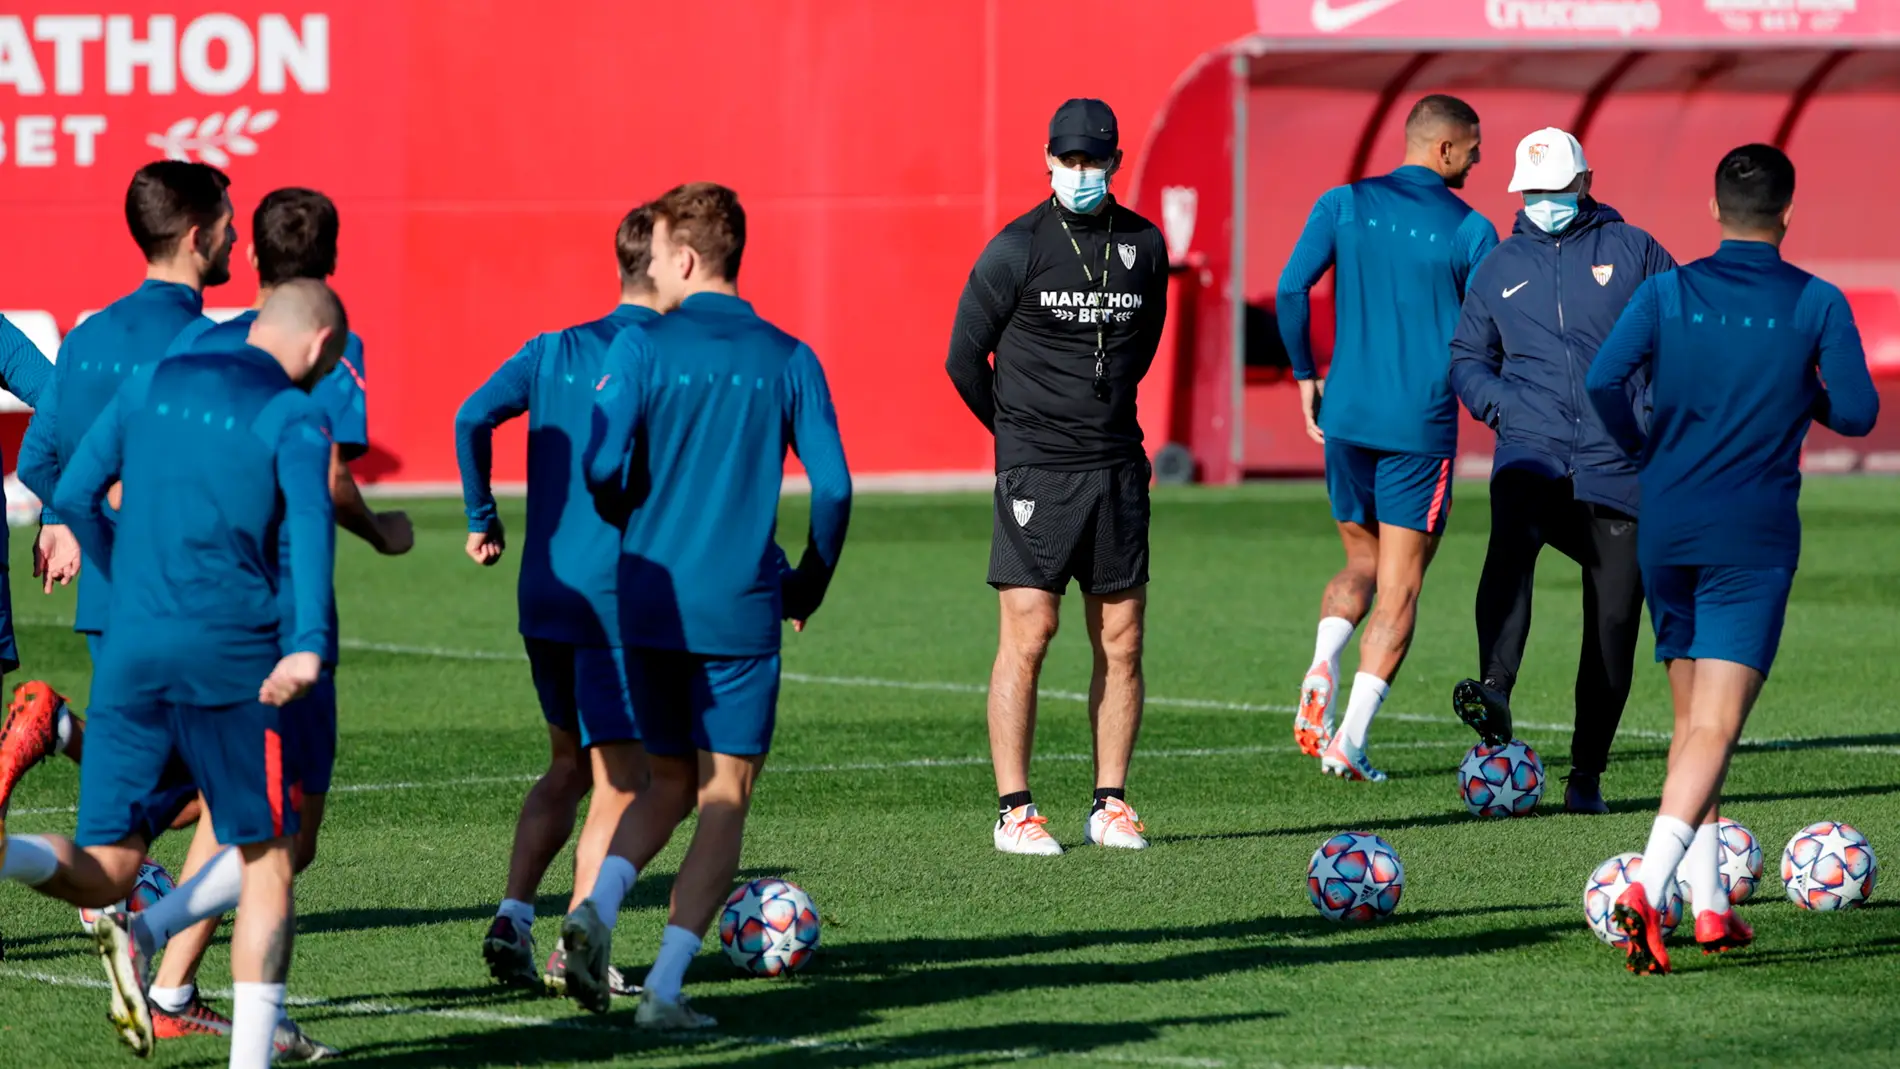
(1735, 384)
(571, 555)
(699, 567)
(1405, 246)
(341, 394)
(111, 346)
(195, 615)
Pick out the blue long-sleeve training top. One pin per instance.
(1402, 246)
(697, 410)
(218, 451)
(24, 372)
(570, 552)
(1743, 350)
(95, 359)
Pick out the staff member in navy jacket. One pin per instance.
(1534, 314)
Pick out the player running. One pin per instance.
(1537, 309)
(569, 616)
(1403, 246)
(698, 408)
(180, 217)
(218, 451)
(24, 372)
(1070, 299)
(1742, 349)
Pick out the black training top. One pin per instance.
(1030, 301)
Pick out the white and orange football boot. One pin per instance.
(1313, 720)
(1021, 831)
(1115, 824)
(1347, 761)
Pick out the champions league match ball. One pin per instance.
(153, 883)
(1607, 884)
(1501, 781)
(1738, 863)
(1355, 877)
(1829, 866)
(769, 928)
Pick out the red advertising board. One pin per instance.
(1631, 20)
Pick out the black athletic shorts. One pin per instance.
(1053, 526)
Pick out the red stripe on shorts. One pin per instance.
(274, 779)
(1438, 495)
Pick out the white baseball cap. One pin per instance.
(1547, 159)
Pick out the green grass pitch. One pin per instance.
(1201, 952)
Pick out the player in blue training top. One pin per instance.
(1743, 350)
(217, 452)
(697, 410)
(180, 216)
(1402, 246)
(294, 235)
(569, 616)
(24, 372)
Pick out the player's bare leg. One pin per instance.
(1404, 555)
(176, 1007)
(261, 945)
(645, 827)
(1116, 690)
(1029, 621)
(620, 773)
(1347, 599)
(545, 824)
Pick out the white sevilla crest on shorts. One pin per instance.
(1023, 510)
(1603, 273)
(1128, 255)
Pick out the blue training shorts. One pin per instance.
(310, 729)
(1372, 486)
(584, 689)
(689, 701)
(1718, 612)
(137, 755)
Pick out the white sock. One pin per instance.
(254, 1014)
(677, 947)
(1669, 840)
(1701, 870)
(522, 913)
(29, 860)
(1334, 633)
(172, 999)
(211, 893)
(611, 886)
(1368, 691)
(65, 731)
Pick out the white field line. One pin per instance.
(710, 1042)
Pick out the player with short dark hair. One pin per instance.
(568, 609)
(1402, 247)
(180, 217)
(1069, 299)
(1743, 351)
(218, 451)
(697, 409)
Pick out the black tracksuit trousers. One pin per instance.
(1528, 512)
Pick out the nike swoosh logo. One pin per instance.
(1331, 18)
(1514, 289)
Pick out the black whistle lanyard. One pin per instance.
(1101, 321)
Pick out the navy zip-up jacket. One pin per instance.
(1536, 311)
(1402, 246)
(1743, 349)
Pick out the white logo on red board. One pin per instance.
(215, 138)
(1337, 15)
(1179, 204)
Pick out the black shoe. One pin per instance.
(1584, 794)
(1485, 709)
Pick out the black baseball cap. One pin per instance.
(1083, 125)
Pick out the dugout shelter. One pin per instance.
(1657, 90)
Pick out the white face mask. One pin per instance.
(1079, 189)
(1552, 212)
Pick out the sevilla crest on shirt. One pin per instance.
(1603, 273)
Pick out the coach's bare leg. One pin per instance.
(1029, 619)
(1403, 557)
(620, 773)
(1115, 625)
(547, 814)
(1349, 595)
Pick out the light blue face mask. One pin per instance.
(1552, 212)
(1079, 189)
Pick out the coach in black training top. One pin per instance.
(1070, 298)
